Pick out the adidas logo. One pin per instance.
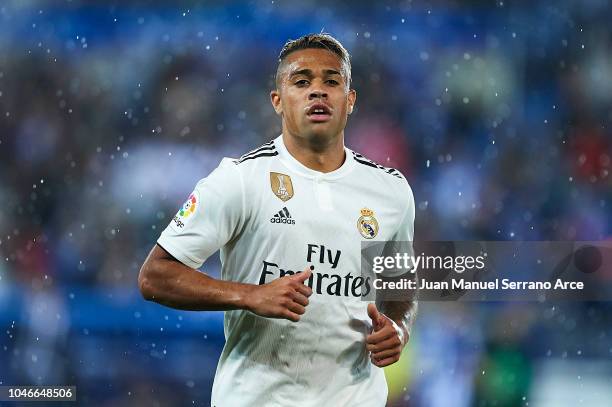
(283, 216)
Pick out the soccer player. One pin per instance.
(289, 218)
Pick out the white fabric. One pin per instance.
(321, 360)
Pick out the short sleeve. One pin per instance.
(405, 231)
(402, 240)
(210, 217)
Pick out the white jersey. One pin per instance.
(272, 216)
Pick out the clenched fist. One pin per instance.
(387, 339)
(285, 297)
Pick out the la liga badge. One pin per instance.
(187, 211)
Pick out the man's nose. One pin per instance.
(317, 94)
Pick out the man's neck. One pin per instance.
(322, 158)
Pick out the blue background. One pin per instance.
(498, 113)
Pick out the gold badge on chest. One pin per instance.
(367, 224)
(281, 186)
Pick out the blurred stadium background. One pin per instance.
(499, 114)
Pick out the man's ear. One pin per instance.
(352, 98)
(275, 98)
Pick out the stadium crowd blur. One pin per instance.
(498, 114)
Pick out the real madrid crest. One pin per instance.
(281, 186)
(367, 224)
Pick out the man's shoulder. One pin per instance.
(390, 182)
(255, 156)
(234, 172)
(376, 170)
(239, 168)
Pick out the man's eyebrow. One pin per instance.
(331, 72)
(305, 72)
(308, 72)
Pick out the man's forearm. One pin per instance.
(175, 285)
(167, 281)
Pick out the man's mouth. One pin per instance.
(318, 112)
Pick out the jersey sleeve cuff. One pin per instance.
(177, 253)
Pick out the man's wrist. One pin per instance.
(402, 332)
(245, 296)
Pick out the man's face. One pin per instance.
(313, 97)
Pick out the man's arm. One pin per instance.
(165, 280)
(391, 330)
(403, 313)
(391, 326)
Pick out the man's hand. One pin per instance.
(387, 339)
(285, 297)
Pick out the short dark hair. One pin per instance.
(317, 41)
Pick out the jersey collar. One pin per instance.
(293, 164)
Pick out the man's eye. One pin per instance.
(333, 82)
(302, 82)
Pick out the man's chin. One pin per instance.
(319, 136)
(323, 130)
